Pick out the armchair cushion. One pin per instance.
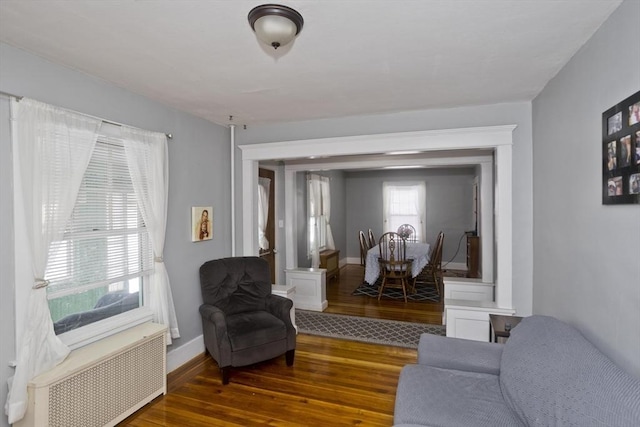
(251, 329)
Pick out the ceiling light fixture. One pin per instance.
(274, 24)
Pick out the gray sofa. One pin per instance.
(547, 374)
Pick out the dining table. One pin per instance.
(417, 251)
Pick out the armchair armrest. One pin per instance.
(212, 313)
(459, 354)
(280, 307)
(216, 317)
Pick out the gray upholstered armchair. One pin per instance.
(242, 322)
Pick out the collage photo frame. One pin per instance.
(621, 152)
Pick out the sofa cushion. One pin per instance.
(446, 397)
(551, 375)
(459, 354)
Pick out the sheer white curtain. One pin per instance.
(389, 207)
(404, 203)
(147, 159)
(315, 210)
(53, 148)
(326, 211)
(420, 206)
(264, 184)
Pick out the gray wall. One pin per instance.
(198, 154)
(449, 205)
(338, 213)
(486, 115)
(586, 257)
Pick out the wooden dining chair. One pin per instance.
(433, 269)
(372, 239)
(364, 248)
(395, 268)
(408, 232)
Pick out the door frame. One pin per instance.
(497, 138)
(271, 220)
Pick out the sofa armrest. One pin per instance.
(459, 354)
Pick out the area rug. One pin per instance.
(424, 292)
(376, 331)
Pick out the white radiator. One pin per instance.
(101, 384)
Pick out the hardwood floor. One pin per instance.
(342, 302)
(333, 382)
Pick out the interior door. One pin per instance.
(270, 231)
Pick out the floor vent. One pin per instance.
(101, 384)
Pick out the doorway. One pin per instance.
(434, 143)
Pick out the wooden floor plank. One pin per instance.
(333, 382)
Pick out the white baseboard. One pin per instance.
(184, 353)
(353, 260)
(455, 266)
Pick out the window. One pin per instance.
(317, 220)
(98, 269)
(319, 210)
(404, 203)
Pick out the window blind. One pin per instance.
(106, 243)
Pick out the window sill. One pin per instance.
(96, 331)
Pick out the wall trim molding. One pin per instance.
(453, 142)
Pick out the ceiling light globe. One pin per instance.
(275, 30)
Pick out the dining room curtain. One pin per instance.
(404, 203)
(264, 185)
(314, 207)
(420, 206)
(148, 161)
(325, 190)
(53, 148)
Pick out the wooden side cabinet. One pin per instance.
(473, 256)
(330, 260)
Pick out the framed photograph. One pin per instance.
(634, 183)
(634, 114)
(621, 152)
(201, 223)
(615, 123)
(638, 147)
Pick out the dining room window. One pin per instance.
(404, 203)
(319, 213)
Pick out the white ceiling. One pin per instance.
(353, 57)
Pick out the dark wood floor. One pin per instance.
(333, 382)
(342, 302)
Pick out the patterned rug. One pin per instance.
(424, 292)
(377, 331)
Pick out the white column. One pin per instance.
(504, 232)
(291, 241)
(486, 231)
(249, 208)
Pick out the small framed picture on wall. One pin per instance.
(201, 223)
(621, 152)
